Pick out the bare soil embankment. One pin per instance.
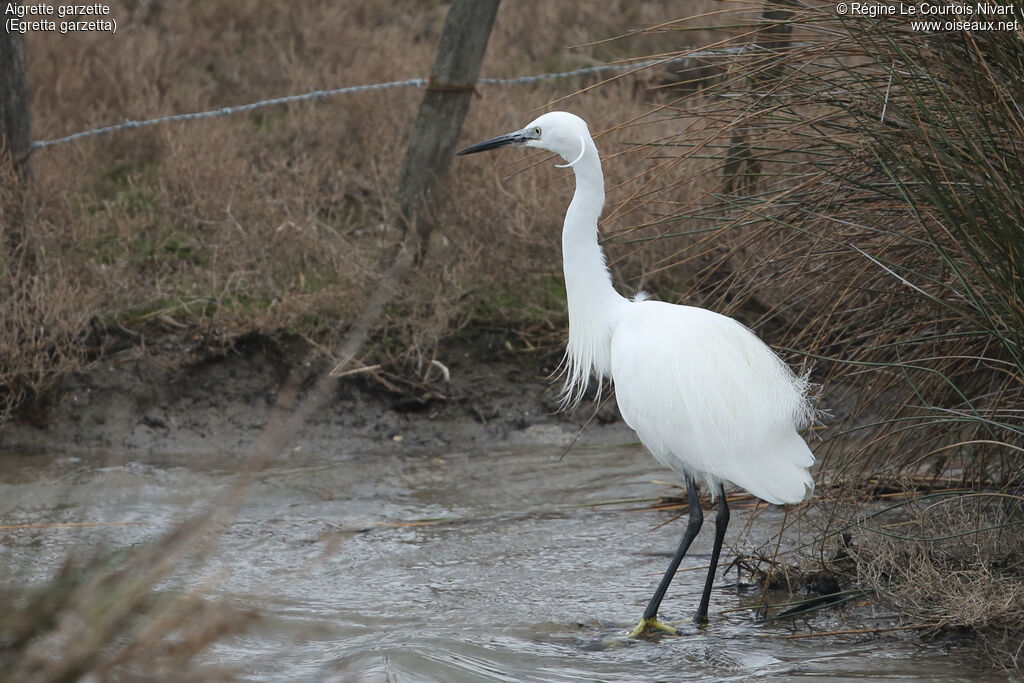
(135, 403)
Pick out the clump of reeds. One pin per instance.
(860, 201)
(867, 214)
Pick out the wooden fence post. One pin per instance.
(15, 146)
(15, 136)
(435, 134)
(467, 29)
(742, 169)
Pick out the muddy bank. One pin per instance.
(137, 402)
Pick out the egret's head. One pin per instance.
(560, 132)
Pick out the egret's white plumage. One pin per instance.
(706, 396)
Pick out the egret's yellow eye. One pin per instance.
(536, 131)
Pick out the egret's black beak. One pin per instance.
(517, 138)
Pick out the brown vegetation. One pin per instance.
(276, 222)
(953, 561)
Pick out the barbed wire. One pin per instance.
(411, 82)
(224, 111)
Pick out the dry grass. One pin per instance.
(954, 561)
(278, 222)
(101, 618)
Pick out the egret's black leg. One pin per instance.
(692, 528)
(721, 522)
(650, 620)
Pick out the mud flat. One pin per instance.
(137, 404)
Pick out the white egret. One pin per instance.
(707, 397)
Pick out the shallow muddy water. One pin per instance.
(461, 566)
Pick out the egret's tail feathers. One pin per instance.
(779, 472)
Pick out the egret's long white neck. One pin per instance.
(593, 302)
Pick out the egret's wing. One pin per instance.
(706, 395)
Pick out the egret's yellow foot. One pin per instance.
(649, 627)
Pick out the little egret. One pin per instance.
(707, 397)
